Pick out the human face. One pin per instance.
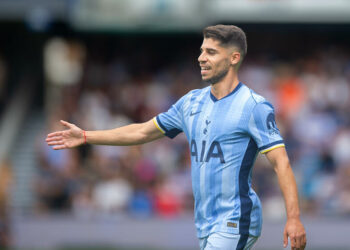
(214, 61)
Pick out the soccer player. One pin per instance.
(226, 125)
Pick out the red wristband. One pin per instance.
(84, 136)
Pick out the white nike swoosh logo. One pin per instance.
(195, 113)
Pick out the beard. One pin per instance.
(219, 76)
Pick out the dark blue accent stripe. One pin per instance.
(269, 104)
(232, 92)
(213, 98)
(242, 242)
(161, 124)
(173, 132)
(246, 202)
(170, 133)
(270, 145)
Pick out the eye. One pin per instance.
(211, 52)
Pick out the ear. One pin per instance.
(235, 57)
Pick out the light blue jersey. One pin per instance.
(224, 137)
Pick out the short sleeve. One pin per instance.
(170, 122)
(263, 129)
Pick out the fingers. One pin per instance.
(300, 240)
(53, 138)
(58, 133)
(285, 239)
(59, 147)
(292, 242)
(297, 242)
(53, 143)
(304, 242)
(57, 143)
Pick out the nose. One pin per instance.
(202, 57)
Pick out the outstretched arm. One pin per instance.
(133, 134)
(294, 229)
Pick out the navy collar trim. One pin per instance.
(232, 92)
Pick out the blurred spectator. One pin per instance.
(166, 202)
(113, 190)
(141, 203)
(63, 61)
(290, 92)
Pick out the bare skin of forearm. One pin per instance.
(294, 229)
(133, 134)
(289, 189)
(123, 136)
(279, 160)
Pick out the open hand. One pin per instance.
(295, 230)
(70, 138)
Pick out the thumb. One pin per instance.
(285, 239)
(66, 124)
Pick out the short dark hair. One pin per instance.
(228, 35)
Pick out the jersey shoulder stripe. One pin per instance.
(271, 146)
(158, 125)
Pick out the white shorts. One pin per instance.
(227, 241)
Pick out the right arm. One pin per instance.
(133, 134)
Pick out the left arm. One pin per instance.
(294, 229)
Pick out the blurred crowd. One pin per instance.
(6, 176)
(105, 90)
(3, 94)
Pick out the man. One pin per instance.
(226, 125)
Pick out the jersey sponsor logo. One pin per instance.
(271, 124)
(214, 151)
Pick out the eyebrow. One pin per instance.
(209, 49)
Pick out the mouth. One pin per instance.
(205, 69)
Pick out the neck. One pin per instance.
(225, 86)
